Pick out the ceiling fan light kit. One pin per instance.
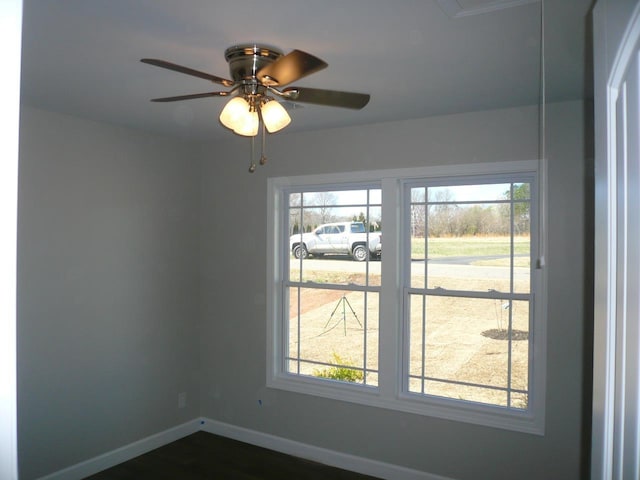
(259, 70)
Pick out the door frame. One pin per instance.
(616, 39)
(11, 27)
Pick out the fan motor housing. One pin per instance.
(246, 60)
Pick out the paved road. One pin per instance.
(468, 260)
(459, 267)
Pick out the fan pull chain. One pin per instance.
(252, 165)
(263, 158)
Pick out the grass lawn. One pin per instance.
(468, 246)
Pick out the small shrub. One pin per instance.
(341, 371)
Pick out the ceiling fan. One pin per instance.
(260, 74)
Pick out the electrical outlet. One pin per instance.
(182, 399)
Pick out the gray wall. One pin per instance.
(233, 292)
(108, 296)
(142, 274)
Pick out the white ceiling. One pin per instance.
(416, 58)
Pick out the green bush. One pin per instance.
(341, 371)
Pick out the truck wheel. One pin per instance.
(300, 251)
(360, 253)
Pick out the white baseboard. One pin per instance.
(122, 454)
(333, 458)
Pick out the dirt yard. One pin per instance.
(466, 339)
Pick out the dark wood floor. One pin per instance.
(205, 456)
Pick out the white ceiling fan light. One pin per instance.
(248, 125)
(274, 116)
(233, 112)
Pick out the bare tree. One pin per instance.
(442, 212)
(325, 201)
(295, 213)
(418, 215)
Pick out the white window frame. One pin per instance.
(364, 288)
(391, 393)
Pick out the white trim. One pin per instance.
(627, 48)
(365, 176)
(11, 28)
(325, 456)
(389, 394)
(127, 452)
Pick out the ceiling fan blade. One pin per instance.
(332, 98)
(290, 68)
(189, 97)
(186, 70)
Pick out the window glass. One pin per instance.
(468, 309)
(460, 343)
(334, 243)
(333, 335)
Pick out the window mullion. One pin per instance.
(365, 320)
(512, 290)
(423, 367)
(490, 295)
(390, 321)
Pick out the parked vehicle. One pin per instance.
(342, 238)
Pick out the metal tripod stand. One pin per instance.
(344, 302)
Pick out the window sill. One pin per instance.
(456, 410)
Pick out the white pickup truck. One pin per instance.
(343, 238)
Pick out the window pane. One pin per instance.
(337, 334)
(375, 196)
(456, 348)
(468, 348)
(295, 230)
(415, 384)
(418, 240)
(520, 346)
(470, 193)
(335, 198)
(295, 200)
(469, 262)
(416, 332)
(336, 271)
(519, 401)
(333, 243)
(521, 191)
(522, 242)
(293, 331)
(461, 237)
